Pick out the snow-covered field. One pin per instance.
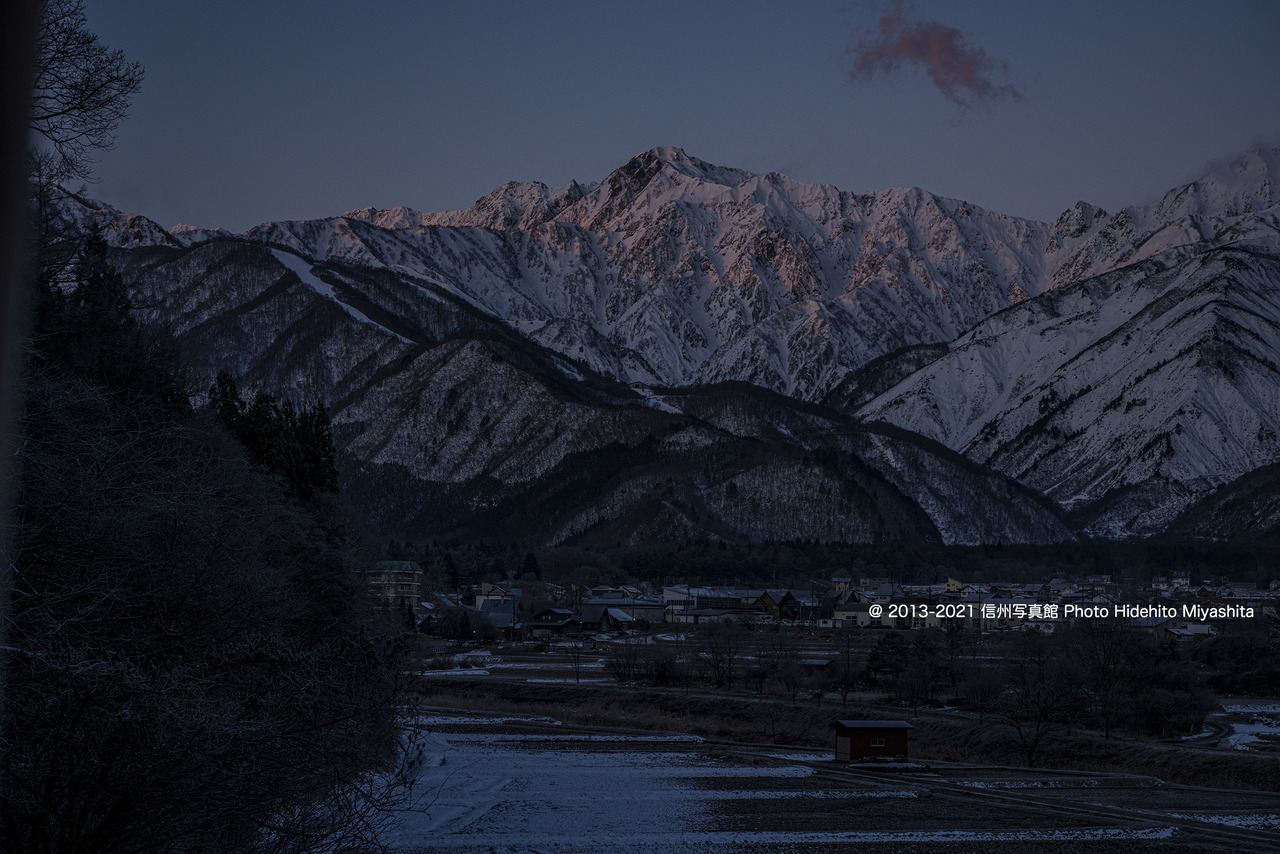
(484, 662)
(1255, 725)
(1254, 821)
(511, 784)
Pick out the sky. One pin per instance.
(260, 111)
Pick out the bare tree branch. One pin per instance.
(80, 93)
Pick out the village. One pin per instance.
(958, 712)
(1168, 609)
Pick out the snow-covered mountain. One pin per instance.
(672, 271)
(1123, 365)
(448, 420)
(1137, 390)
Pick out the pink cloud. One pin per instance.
(963, 73)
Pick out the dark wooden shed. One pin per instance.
(861, 739)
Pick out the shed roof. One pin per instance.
(874, 724)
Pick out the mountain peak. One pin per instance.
(1078, 219)
(681, 162)
(1254, 177)
(1260, 162)
(656, 172)
(389, 218)
(1248, 184)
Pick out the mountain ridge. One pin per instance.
(991, 335)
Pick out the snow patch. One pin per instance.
(302, 268)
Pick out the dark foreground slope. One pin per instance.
(193, 659)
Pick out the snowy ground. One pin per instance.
(1255, 725)
(512, 784)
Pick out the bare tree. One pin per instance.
(786, 665)
(1104, 653)
(981, 687)
(888, 658)
(923, 662)
(846, 676)
(782, 724)
(915, 683)
(723, 643)
(1035, 693)
(80, 92)
(577, 649)
(760, 669)
(660, 666)
(955, 639)
(623, 661)
(80, 95)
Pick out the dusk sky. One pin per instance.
(255, 111)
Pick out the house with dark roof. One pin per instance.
(602, 615)
(635, 607)
(499, 614)
(551, 621)
(498, 593)
(885, 593)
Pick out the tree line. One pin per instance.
(1107, 678)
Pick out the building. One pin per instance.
(498, 593)
(886, 593)
(600, 615)
(862, 739)
(397, 582)
(551, 621)
(633, 607)
(854, 615)
(697, 616)
(498, 613)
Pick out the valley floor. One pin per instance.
(517, 783)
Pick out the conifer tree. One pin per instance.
(296, 446)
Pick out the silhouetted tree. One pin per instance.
(846, 676)
(981, 688)
(88, 331)
(888, 657)
(81, 93)
(194, 662)
(451, 572)
(457, 625)
(1032, 703)
(723, 641)
(1105, 653)
(192, 658)
(297, 446)
(1169, 694)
